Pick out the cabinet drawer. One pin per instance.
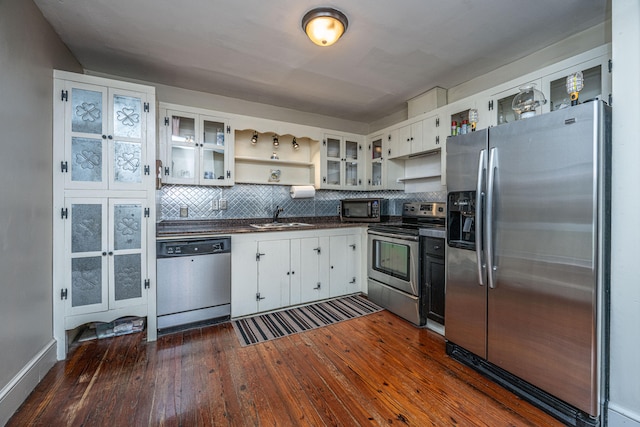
(433, 246)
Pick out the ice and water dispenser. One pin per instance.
(461, 220)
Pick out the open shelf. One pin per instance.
(254, 165)
(419, 178)
(247, 159)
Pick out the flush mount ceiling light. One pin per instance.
(254, 138)
(324, 25)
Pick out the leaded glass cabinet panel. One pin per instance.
(87, 257)
(128, 242)
(86, 125)
(105, 138)
(106, 240)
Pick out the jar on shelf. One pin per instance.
(525, 103)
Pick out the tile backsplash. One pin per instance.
(259, 201)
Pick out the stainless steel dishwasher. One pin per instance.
(194, 282)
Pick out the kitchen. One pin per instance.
(22, 354)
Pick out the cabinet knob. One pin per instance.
(110, 136)
(104, 136)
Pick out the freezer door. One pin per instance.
(466, 290)
(463, 152)
(542, 318)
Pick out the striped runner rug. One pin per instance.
(265, 327)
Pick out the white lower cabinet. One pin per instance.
(313, 277)
(106, 259)
(281, 269)
(273, 261)
(344, 253)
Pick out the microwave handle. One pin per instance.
(369, 209)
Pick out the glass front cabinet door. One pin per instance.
(105, 138)
(106, 254)
(199, 148)
(343, 162)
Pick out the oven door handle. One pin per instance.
(394, 236)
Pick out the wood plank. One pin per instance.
(373, 370)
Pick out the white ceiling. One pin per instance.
(256, 49)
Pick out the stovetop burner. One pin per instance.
(418, 218)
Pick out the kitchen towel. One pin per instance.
(302, 191)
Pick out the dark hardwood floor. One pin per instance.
(373, 370)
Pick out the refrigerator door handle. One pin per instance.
(488, 228)
(481, 263)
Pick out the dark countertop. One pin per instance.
(197, 228)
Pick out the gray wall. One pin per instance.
(29, 50)
(625, 276)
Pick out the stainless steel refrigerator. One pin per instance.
(528, 256)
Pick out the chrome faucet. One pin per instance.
(276, 213)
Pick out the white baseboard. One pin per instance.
(619, 417)
(16, 391)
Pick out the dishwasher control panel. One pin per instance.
(193, 247)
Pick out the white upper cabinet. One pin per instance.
(409, 139)
(596, 80)
(342, 162)
(197, 145)
(551, 81)
(431, 133)
(105, 138)
(383, 172)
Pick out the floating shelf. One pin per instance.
(282, 162)
(419, 178)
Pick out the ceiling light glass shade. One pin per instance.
(324, 25)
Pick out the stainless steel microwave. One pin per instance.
(364, 210)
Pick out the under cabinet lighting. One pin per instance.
(254, 138)
(276, 143)
(295, 144)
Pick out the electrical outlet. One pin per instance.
(223, 204)
(214, 205)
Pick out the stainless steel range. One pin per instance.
(406, 264)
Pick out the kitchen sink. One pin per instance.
(277, 225)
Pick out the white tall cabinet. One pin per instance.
(103, 199)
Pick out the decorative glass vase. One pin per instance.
(525, 103)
